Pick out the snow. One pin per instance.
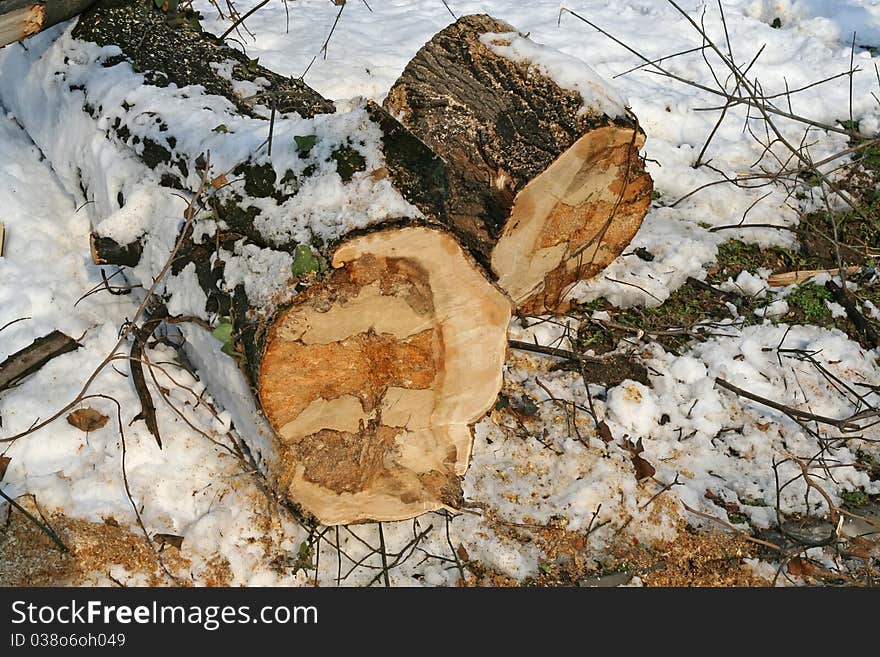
(568, 72)
(832, 20)
(776, 308)
(747, 284)
(246, 259)
(696, 434)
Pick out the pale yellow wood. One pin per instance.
(21, 23)
(374, 378)
(797, 277)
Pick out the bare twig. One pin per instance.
(42, 526)
(855, 316)
(846, 424)
(241, 19)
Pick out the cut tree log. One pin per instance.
(20, 19)
(360, 335)
(360, 341)
(546, 182)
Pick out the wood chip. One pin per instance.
(797, 277)
(169, 539)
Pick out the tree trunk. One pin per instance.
(331, 250)
(20, 19)
(545, 179)
(360, 340)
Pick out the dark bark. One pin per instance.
(30, 359)
(500, 125)
(864, 327)
(106, 251)
(172, 48)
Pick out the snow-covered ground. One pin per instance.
(541, 472)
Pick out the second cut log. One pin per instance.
(546, 183)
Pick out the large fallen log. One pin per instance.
(546, 181)
(361, 336)
(369, 380)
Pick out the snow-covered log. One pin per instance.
(357, 336)
(359, 341)
(20, 19)
(546, 181)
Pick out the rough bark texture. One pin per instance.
(30, 359)
(174, 49)
(545, 193)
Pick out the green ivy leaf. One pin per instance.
(253, 65)
(221, 128)
(529, 407)
(304, 143)
(304, 261)
(223, 331)
(229, 350)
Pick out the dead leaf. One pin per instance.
(605, 434)
(763, 426)
(169, 539)
(379, 174)
(462, 553)
(87, 419)
(4, 463)
(644, 470)
(861, 547)
(219, 181)
(800, 568)
(110, 521)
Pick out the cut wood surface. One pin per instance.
(360, 332)
(546, 182)
(372, 379)
(20, 19)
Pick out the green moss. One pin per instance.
(735, 257)
(684, 308)
(810, 300)
(855, 499)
